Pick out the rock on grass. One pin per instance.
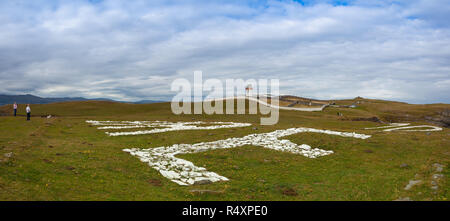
(403, 199)
(202, 182)
(289, 192)
(155, 182)
(412, 183)
(404, 165)
(214, 192)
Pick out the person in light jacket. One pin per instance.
(28, 109)
(15, 108)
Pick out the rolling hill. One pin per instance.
(66, 158)
(31, 99)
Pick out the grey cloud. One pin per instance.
(134, 50)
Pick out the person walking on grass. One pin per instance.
(15, 109)
(28, 109)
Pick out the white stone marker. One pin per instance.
(403, 126)
(166, 126)
(184, 172)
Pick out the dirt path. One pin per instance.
(270, 105)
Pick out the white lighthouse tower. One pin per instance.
(248, 90)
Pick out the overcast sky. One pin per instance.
(133, 50)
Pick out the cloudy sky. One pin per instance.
(133, 50)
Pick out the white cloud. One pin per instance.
(396, 50)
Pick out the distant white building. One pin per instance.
(248, 90)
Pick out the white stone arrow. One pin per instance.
(184, 172)
(160, 126)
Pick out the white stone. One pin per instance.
(165, 156)
(403, 126)
(166, 126)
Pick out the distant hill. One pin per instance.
(31, 99)
(148, 102)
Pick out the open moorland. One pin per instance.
(63, 157)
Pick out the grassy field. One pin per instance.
(64, 158)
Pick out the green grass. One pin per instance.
(63, 158)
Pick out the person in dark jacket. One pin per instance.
(15, 109)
